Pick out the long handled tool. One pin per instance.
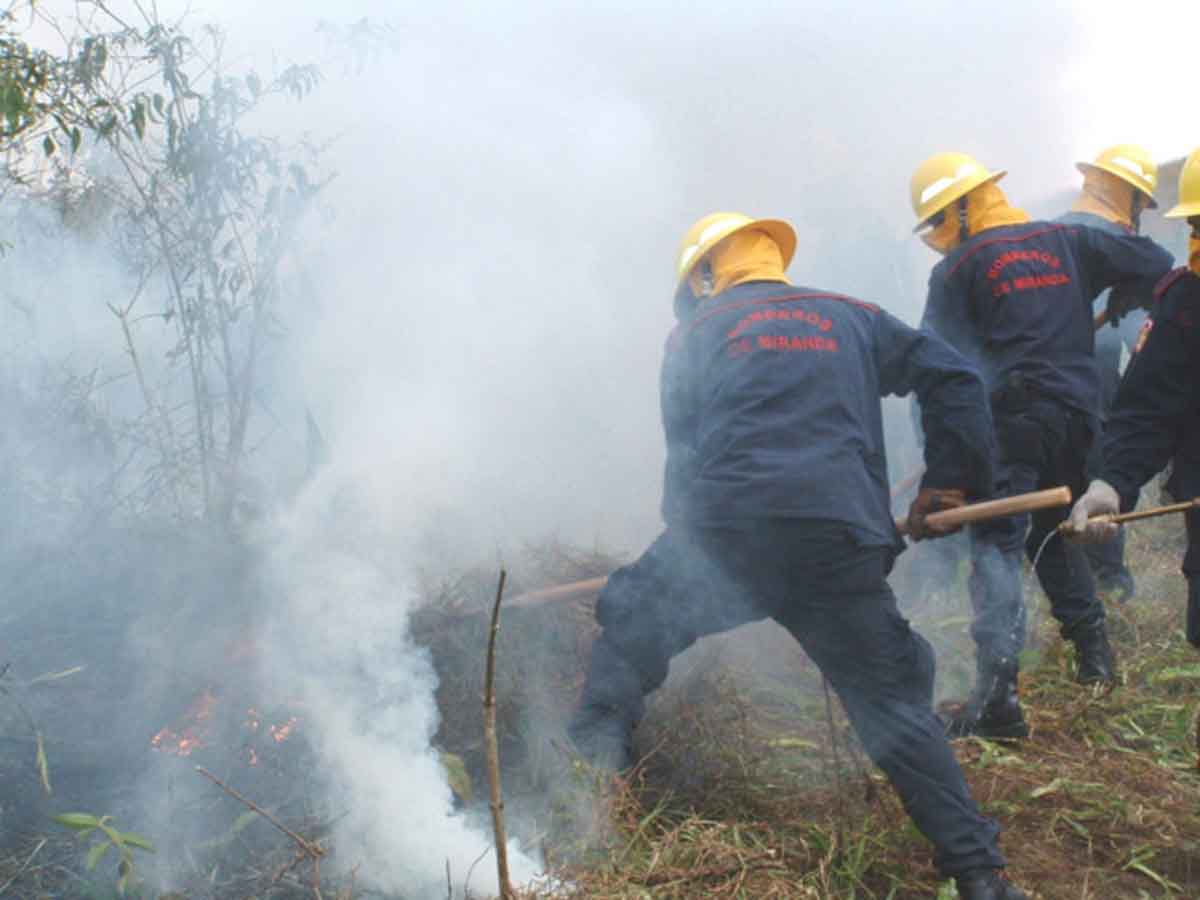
(575, 589)
(1138, 515)
(996, 509)
(1192, 627)
(963, 515)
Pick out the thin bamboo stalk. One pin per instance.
(493, 748)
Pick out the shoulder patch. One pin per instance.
(1168, 281)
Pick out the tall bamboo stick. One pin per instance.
(493, 748)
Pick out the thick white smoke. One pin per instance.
(341, 650)
(485, 305)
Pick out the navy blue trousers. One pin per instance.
(1042, 445)
(833, 596)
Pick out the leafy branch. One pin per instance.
(207, 210)
(123, 842)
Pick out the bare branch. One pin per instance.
(493, 749)
(311, 848)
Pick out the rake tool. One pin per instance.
(1138, 515)
(996, 509)
(963, 515)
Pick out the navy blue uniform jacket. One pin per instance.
(1157, 412)
(1017, 301)
(771, 408)
(1136, 294)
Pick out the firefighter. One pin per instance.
(1015, 296)
(776, 504)
(1157, 411)
(1117, 186)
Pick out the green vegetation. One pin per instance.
(746, 791)
(107, 838)
(752, 787)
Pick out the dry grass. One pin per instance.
(745, 791)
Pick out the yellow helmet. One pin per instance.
(942, 179)
(706, 233)
(1189, 189)
(1132, 164)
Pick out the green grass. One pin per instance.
(751, 789)
(744, 794)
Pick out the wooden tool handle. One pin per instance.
(976, 512)
(1154, 512)
(995, 509)
(560, 592)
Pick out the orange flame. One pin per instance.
(193, 734)
(280, 733)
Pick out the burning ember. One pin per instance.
(193, 734)
(280, 733)
(277, 733)
(195, 729)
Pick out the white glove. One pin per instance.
(1100, 499)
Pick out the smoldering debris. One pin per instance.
(341, 641)
(277, 728)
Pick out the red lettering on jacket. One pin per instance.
(973, 247)
(771, 315)
(1033, 282)
(796, 343)
(783, 298)
(1006, 259)
(1030, 283)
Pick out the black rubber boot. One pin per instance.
(994, 707)
(1094, 655)
(603, 738)
(987, 884)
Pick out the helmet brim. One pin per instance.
(1182, 211)
(1085, 167)
(954, 197)
(780, 231)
